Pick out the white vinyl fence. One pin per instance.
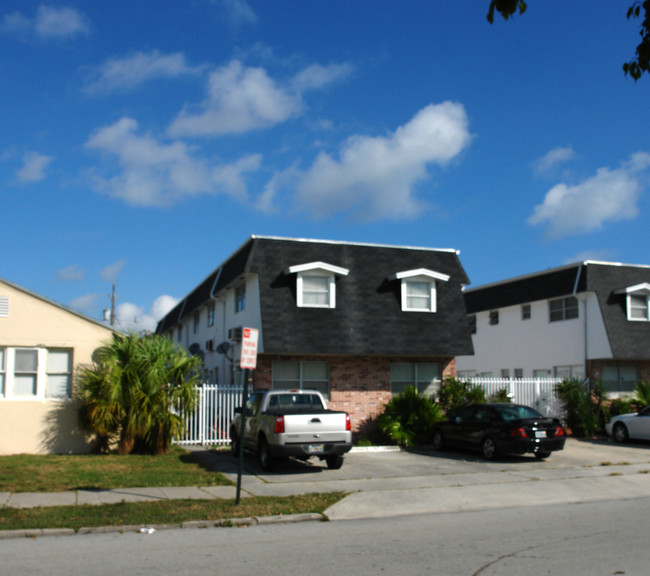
(210, 422)
(538, 393)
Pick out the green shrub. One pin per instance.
(501, 395)
(455, 394)
(641, 394)
(581, 409)
(409, 417)
(619, 406)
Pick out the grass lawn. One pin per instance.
(50, 473)
(54, 473)
(161, 512)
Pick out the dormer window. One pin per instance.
(418, 289)
(637, 298)
(316, 284)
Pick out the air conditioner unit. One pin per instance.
(209, 345)
(234, 334)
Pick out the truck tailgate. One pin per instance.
(325, 427)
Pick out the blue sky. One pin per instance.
(143, 142)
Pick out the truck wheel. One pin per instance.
(266, 460)
(334, 462)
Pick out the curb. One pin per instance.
(147, 530)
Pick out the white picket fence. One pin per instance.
(210, 422)
(538, 393)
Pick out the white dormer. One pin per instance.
(316, 283)
(637, 298)
(419, 289)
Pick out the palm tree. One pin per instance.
(131, 391)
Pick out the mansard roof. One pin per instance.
(368, 318)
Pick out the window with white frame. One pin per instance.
(424, 376)
(563, 309)
(301, 374)
(637, 307)
(4, 306)
(196, 321)
(316, 284)
(35, 373)
(59, 373)
(637, 301)
(2, 371)
(25, 371)
(419, 289)
(525, 311)
(569, 372)
(211, 314)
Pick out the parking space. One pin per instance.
(385, 467)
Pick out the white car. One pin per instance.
(626, 426)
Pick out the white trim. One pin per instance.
(420, 272)
(643, 288)
(314, 266)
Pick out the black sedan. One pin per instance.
(501, 428)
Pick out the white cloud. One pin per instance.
(112, 271)
(73, 273)
(241, 99)
(239, 12)
(133, 317)
(121, 74)
(318, 76)
(608, 196)
(33, 168)
(154, 173)
(552, 159)
(85, 304)
(375, 176)
(59, 22)
(48, 23)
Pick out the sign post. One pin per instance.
(247, 361)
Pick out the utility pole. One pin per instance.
(113, 306)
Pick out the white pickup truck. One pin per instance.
(292, 423)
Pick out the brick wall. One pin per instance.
(359, 385)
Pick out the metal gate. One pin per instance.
(209, 424)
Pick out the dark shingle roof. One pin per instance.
(628, 339)
(368, 319)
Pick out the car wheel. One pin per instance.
(234, 443)
(266, 460)
(541, 455)
(438, 441)
(620, 432)
(334, 462)
(489, 448)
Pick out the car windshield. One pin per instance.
(516, 412)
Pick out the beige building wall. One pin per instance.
(38, 424)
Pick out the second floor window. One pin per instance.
(563, 309)
(196, 322)
(240, 298)
(211, 315)
(637, 307)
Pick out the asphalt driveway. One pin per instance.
(376, 469)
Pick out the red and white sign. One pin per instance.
(248, 358)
